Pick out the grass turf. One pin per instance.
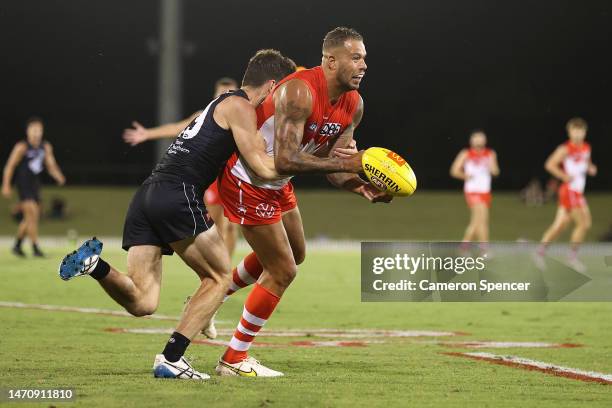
(62, 349)
(425, 216)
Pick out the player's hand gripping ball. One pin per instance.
(388, 172)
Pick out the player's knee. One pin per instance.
(221, 275)
(587, 223)
(141, 309)
(563, 223)
(285, 274)
(286, 278)
(224, 279)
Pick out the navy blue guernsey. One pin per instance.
(32, 164)
(200, 151)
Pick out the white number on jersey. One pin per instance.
(194, 127)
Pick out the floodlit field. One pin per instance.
(335, 350)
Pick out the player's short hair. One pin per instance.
(577, 122)
(338, 36)
(477, 130)
(267, 65)
(33, 119)
(226, 81)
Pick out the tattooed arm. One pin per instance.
(293, 106)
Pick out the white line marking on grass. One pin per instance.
(505, 344)
(534, 365)
(87, 310)
(358, 333)
(304, 343)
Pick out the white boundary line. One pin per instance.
(352, 334)
(481, 344)
(548, 368)
(348, 333)
(87, 310)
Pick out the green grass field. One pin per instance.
(49, 349)
(425, 216)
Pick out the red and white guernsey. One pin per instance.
(576, 164)
(477, 168)
(325, 123)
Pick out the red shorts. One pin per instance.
(478, 198)
(211, 195)
(569, 199)
(246, 204)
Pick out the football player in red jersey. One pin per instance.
(570, 163)
(475, 166)
(308, 117)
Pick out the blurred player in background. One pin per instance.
(166, 214)
(475, 166)
(26, 162)
(570, 163)
(306, 118)
(138, 134)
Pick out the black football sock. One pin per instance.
(176, 346)
(36, 250)
(18, 242)
(101, 270)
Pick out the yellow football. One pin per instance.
(388, 172)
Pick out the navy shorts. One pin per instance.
(29, 190)
(162, 212)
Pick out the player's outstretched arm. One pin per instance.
(52, 166)
(293, 106)
(456, 170)
(553, 164)
(241, 118)
(9, 169)
(138, 134)
(494, 165)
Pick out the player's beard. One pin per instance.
(346, 80)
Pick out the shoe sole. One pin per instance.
(162, 371)
(72, 263)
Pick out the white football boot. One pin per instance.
(248, 367)
(539, 260)
(181, 369)
(575, 263)
(209, 330)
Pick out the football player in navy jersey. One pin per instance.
(26, 162)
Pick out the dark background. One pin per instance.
(437, 69)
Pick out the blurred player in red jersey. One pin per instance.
(475, 166)
(138, 134)
(310, 115)
(570, 163)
